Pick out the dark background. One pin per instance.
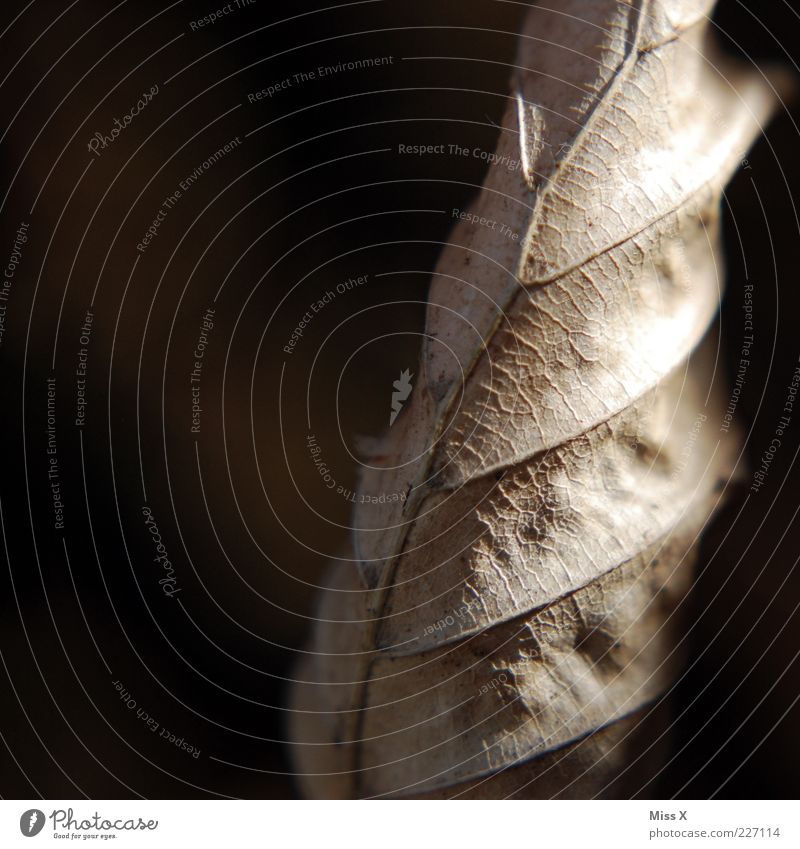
(315, 195)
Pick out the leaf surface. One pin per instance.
(560, 450)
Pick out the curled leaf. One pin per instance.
(560, 449)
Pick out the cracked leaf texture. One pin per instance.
(505, 628)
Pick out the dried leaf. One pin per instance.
(560, 454)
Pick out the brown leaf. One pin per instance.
(560, 450)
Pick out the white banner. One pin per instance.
(380, 824)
